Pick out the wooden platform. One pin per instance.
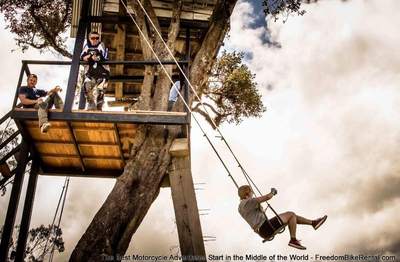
(87, 143)
(82, 148)
(133, 117)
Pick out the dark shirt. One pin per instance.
(95, 70)
(31, 93)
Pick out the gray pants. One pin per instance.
(94, 90)
(52, 100)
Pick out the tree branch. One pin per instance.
(213, 39)
(205, 115)
(48, 35)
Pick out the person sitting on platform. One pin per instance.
(31, 97)
(251, 210)
(96, 75)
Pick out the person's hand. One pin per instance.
(95, 58)
(39, 101)
(87, 57)
(274, 191)
(54, 90)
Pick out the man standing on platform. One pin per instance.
(174, 94)
(96, 75)
(31, 97)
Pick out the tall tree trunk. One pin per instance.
(135, 190)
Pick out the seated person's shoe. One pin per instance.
(318, 222)
(45, 127)
(296, 244)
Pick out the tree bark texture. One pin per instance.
(113, 226)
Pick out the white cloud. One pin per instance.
(329, 135)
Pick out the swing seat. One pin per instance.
(280, 230)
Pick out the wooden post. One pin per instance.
(185, 204)
(120, 40)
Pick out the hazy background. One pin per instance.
(329, 141)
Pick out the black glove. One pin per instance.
(274, 191)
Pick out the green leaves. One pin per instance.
(38, 24)
(231, 93)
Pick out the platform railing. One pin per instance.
(25, 69)
(68, 115)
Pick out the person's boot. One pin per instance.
(91, 106)
(318, 222)
(45, 127)
(296, 244)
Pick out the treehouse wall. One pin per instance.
(123, 40)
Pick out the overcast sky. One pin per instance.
(329, 140)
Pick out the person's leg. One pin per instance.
(99, 93)
(50, 101)
(290, 219)
(170, 105)
(58, 102)
(44, 124)
(303, 221)
(89, 86)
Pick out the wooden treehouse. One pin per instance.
(97, 144)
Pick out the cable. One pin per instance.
(59, 219)
(180, 95)
(248, 178)
(54, 219)
(246, 175)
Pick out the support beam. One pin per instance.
(27, 213)
(76, 146)
(99, 173)
(21, 76)
(179, 147)
(74, 71)
(118, 138)
(13, 204)
(119, 69)
(135, 117)
(9, 139)
(186, 211)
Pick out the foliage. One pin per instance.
(42, 241)
(38, 23)
(283, 7)
(231, 93)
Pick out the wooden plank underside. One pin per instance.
(97, 143)
(103, 163)
(70, 162)
(51, 148)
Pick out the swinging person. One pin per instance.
(251, 210)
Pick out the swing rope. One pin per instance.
(246, 175)
(59, 219)
(249, 180)
(62, 196)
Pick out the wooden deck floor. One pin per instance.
(82, 147)
(84, 143)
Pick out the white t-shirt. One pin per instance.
(251, 211)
